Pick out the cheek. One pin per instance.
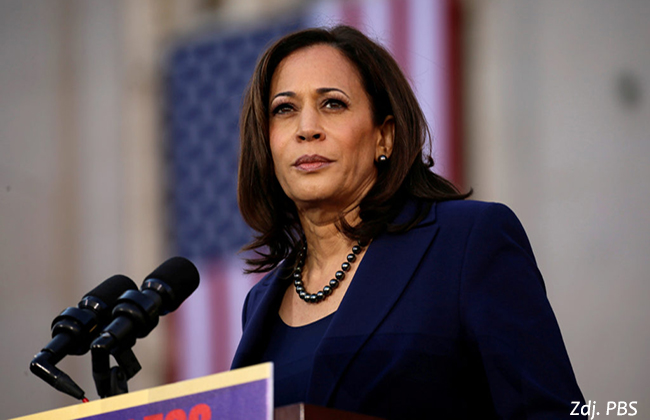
(277, 154)
(278, 135)
(362, 143)
(275, 145)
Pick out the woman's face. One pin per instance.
(322, 135)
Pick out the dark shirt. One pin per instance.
(292, 351)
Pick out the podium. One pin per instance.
(240, 394)
(302, 411)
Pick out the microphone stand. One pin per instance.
(110, 381)
(135, 315)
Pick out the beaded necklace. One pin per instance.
(333, 283)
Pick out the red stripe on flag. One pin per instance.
(399, 23)
(219, 316)
(351, 14)
(453, 16)
(172, 325)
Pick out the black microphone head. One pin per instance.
(112, 288)
(175, 279)
(76, 327)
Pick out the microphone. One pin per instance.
(75, 328)
(136, 313)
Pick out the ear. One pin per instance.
(386, 136)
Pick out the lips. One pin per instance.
(311, 162)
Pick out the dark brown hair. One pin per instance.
(263, 203)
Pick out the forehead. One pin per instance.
(319, 65)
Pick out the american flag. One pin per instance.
(206, 76)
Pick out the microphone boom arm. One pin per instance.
(139, 308)
(110, 381)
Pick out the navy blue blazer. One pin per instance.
(449, 320)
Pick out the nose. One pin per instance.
(309, 126)
(309, 136)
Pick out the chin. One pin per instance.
(310, 192)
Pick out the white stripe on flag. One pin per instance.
(375, 22)
(239, 285)
(194, 347)
(428, 64)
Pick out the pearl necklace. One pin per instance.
(333, 284)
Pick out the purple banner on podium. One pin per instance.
(241, 394)
(245, 402)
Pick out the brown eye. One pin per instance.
(335, 104)
(282, 109)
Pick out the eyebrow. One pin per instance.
(319, 90)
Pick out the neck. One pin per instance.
(324, 241)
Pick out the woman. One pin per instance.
(388, 294)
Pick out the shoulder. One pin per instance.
(459, 214)
(477, 216)
(471, 211)
(483, 229)
(463, 222)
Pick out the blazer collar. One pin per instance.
(382, 276)
(255, 334)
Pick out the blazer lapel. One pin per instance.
(255, 335)
(383, 274)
